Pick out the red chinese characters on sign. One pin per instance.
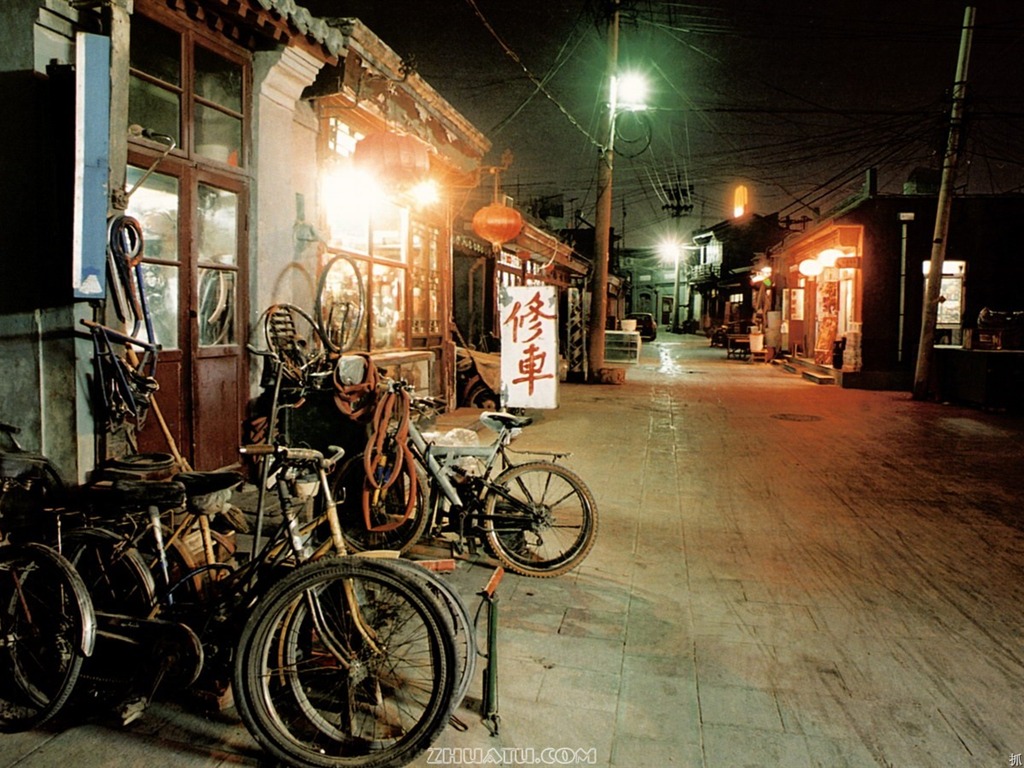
(529, 363)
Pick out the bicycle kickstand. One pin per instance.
(490, 703)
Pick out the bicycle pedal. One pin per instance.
(132, 710)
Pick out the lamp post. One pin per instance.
(626, 93)
(603, 215)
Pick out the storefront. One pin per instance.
(820, 297)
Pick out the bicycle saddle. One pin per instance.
(149, 493)
(208, 492)
(497, 420)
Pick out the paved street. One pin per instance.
(786, 574)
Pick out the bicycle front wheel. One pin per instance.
(541, 519)
(345, 662)
(47, 628)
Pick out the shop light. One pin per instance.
(810, 267)
(351, 189)
(829, 256)
(425, 193)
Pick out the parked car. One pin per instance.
(645, 325)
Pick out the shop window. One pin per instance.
(387, 227)
(426, 280)
(388, 306)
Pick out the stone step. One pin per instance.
(818, 378)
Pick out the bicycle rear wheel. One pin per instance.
(47, 628)
(345, 662)
(541, 519)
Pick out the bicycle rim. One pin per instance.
(543, 521)
(314, 691)
(347, 487)
(47, 626)
(114, 573)
(461, 623)
(340, 304)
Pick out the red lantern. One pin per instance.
(497, 224)
(394, 158)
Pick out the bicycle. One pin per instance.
(537, 517)
(47, 618)
(348, 616)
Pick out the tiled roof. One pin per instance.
(331, 37)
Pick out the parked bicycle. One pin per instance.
(536, 516)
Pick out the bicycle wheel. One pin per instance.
(47, 628)
(294, 338)
(459, 618)
(541, 519)
(114, 573)
(345, 662)
(347, 487)
(340, 304)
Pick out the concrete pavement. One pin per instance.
(786, 574)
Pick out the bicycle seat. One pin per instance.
(497, 420)
(208, 491)
(161, 494)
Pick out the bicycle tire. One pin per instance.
(340, 305)
(294, 338)
(372, 708)
(461, 621)
(49, 628)
(527, 520)
(347, 486)
(114, 573)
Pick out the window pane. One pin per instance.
(154, 108)
(218, 135)
(388, 307)
(161, 287)
(216, 307)
(386, 225)
(218, 80)
(218, 226)
(155, 206)
(155, 50)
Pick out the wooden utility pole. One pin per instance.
(930, 304)
(603, 216)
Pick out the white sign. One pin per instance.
(529, 346)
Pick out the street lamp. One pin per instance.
(603, 216)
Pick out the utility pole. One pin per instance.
(675, 292)
(603, 216)
(930, 304)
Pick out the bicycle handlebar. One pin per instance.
(290, 453)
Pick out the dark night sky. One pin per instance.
(797, 99)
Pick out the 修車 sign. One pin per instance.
(529, 346)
